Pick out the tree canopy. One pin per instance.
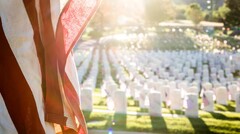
(194, 12)
(233, 16)
(159, 10)
(221, 12)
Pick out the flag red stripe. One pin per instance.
(70, 92)
(53, 101)
(33, 17)
(73, 20)
(16, 92)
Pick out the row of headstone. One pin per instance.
(141, 94)
(221, 93)
(109, 85)
(82, 70)
(116, 98)
(89, 84)
(190, 72)
(191, 102)
(120, 98)
(79, 56)
(154, 98)
(165, 63)
(91, 79)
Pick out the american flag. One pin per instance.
(38, 82)
(205, 100)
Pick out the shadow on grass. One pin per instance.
(87, 114)
(136, 103)
(109, 123)
(222, 116)
(93, 118)
(225, 107)
(101, 102)
(199, 126)
(142, 110)
(179, 112)
(229, 107)
(164, 104)
(119, 121)
(132, 102)
(158, 124)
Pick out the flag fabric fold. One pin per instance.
(71, 24)
(53, 47)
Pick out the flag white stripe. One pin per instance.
(19, 33)
(15, 20)
(7, 126)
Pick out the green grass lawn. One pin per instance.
(224, 120)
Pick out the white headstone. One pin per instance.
(86, 99)
(183, 85)
(207, 86)
(192, 105)
(238, 102)
(175, 99)
(123, 86)
(232, 91)
(213, 70)
(165, 92)
(192, 89)
(181, 76)
(137, 91)
(205, 79)
(150, 85)
(221, 95)
(142, 98)
(110, 89)
(197, 76)
(120, 102)
(132, 88)
(155, 106)
(213, 76)
(172, 84)
(207, 101)
(220, 73)
(191, 73)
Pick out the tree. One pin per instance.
(111, 12)
(106, 14)
(233, 16)
(221, 13)
(194, 13)
(159, 10)
(180, 12)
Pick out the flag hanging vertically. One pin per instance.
(71, 24)
(38, 81)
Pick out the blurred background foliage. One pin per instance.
(138, 16)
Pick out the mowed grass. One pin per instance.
(224, 120)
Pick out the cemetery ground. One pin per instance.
(224, 119)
